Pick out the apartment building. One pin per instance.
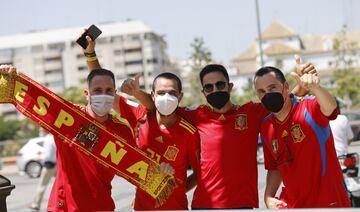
(280, 43)
(54, 59)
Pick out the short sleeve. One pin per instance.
(194, 151)
(313, 107)
(349, 132)
(260, 111)
(190, 114)
(131, 111)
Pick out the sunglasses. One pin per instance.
(210, 87)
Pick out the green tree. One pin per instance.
(346, 78)
(249, 94)
(15, 129)
(8, 128)
(199, 57)
(74, 94)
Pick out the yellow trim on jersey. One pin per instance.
(116, 118)
(187, 126)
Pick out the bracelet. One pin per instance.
(92, 54)
(91, 59)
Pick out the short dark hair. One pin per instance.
(338, 105)
(213, 68)
(168, 75)
(100, 72)
(268, 69)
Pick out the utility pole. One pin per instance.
(259, 33)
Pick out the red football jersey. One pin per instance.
(228, 167)
(82, 184)
(177, 145)
(302, 149)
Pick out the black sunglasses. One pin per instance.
(210, 87)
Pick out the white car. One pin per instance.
(30, 157)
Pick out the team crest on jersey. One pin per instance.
(296, 133)
(171, 153)
(241, 122)
(275, 146)
(159, 139)
(86, 136)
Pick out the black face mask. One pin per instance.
(218, 99)
(274, 102)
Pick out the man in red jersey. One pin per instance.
(81, 184)
(163, 134)
(298, 143)
(166, 137)
(228, 139)
(228, 134)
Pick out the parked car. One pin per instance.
(30, 157)
(354, 119)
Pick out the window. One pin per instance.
(101, 40)
(6, 52)
(119, 64)
(38, 61)
(56, 46)
(7, 63)
(148, 36)
(37, 48)
(82, 68)
(134, 62)
(133, 50)
(134, 37)
(22, 50)
(80, 56)
(134, 74)
(152, 61)
(56, 84)
(116, 39)
(50, 59)
(53, 71)
(118, 52)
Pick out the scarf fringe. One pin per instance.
(165, 193)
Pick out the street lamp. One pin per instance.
(259, 32)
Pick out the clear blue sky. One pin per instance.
(227, 26)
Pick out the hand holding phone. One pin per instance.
(93, 32)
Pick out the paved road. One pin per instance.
(123, 192)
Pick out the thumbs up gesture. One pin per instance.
(305, 75)
(306, 68)
(131, 86)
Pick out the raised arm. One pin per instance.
(129, 86)
(90, 54)
(132, 88)
(311, 82)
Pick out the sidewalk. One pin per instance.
(9, 166)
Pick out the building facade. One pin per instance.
(54, 59)
(280, 44)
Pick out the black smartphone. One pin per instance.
(93, 32)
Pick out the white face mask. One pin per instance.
(101, 104)
(166, 104)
